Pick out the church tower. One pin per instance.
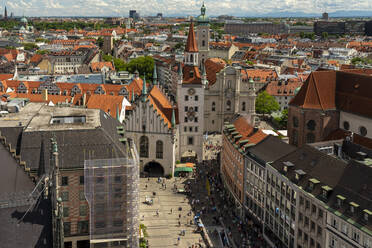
(190, 99)
(203, 36)
(5, 14)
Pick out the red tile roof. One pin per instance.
(357, 139)
(107, 103)
(318, 91)
(244, 128)
(191, 45)
(213, 66)
(277, 88)
(191, 75)
(97, 66)
(161, 104)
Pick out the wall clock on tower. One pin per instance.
(191, 91)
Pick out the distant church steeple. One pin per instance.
(5, 14)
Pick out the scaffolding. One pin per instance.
(111, 189)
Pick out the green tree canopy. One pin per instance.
(266, 104)
(30, 46)
(144, 65)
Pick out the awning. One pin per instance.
(191, 165)
(181, 169)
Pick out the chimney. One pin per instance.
(45, 95)
(84, 99)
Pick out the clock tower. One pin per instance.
(190, 99)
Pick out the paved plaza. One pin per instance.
(163, 229)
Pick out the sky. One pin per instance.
(177, 7)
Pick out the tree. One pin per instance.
(100, 42)
(266, 104)
(106, 57)
(178, 45)
(324, 35)
(119, 65)
(30, 46)
(144, 65)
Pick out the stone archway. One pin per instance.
(154, 169)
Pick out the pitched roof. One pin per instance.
(278, 88)
(345, 90)
(191, 45)
(318, 91)
(357, 139)
(191, 75)
(212, 67)
(107, 103)
(96, 66)
(161, 104)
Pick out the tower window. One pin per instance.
(243, 106)
(203, 43)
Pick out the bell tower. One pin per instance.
(203, 35)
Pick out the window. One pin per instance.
(213, 106)
(185, 129)
(295, 121)
(363, 131)
(311, 125)
(83, 227)
(196, 119)
(186, 98)
(196, 129)
(67, 228)
(159, 149)
(196, 98)
(319, 231)
(310, 138)
(190, 128)
(117, 222)
(64, 181)
(100, 179)
(66, 212)
(190, 141)
(243, 106)
(144, 147)
(81, 180)
(346, 125)
(355, 235)
(64, 196)
(203, 43)
(320, 213)
(186, 109)
(186, 119)
(81, 195)
(196, 109)
(83, 210)
(228, 105)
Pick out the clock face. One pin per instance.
(191, 91)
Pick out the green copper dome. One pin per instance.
(203, 18)
(23, 20)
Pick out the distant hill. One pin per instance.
(342, 13)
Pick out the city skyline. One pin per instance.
(171, 8)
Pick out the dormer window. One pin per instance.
(340, 200)
(353, 207)
(325, 191)
(312, 183)
(287, 165)
(367, 213)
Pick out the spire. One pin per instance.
(191, 45)
(144, 89)
(5, 13)
(173, 121)
(117, 113)
(203, 9)
(155, 76)
(133, 96)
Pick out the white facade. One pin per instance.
(190, 98)
(146, 122)
(355, 123)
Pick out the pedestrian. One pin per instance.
(146, 186)
(178, 240)
(165, 186)
(171, 210)
(179, 216)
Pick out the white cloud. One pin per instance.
(179, 7)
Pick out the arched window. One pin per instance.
(229, 84)
(191, 58)
(243, 106)
(363, 131)
(295, 121)
(213, 106)
(311, 125)
(159, 149)
(310, 138)
(228, 105)
(346, 125)
(203, 43)
(144, 147)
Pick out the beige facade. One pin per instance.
(227, 96)
(223, 52)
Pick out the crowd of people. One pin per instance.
(211, 202)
